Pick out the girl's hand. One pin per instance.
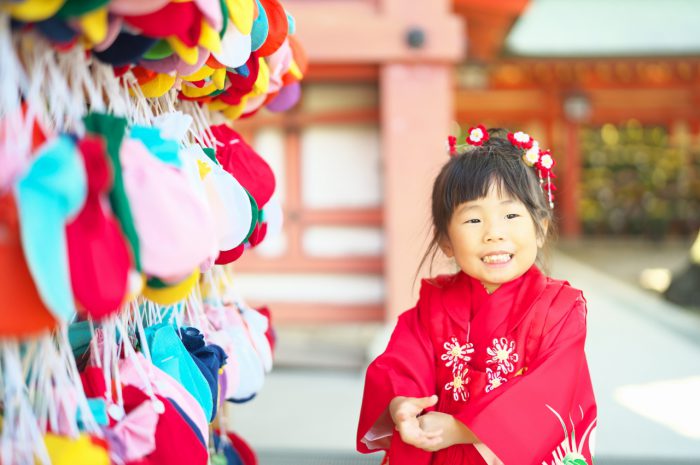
(453, 430)
(404, 412)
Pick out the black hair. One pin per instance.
(470, 174)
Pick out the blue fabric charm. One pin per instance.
(168, 354)
(48, 196)
(261, 27)
(166, 150)
(243, 70)
(208, 358)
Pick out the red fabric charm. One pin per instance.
(278, 27)
(98, 255)
(258, 234)
(181, 19)
(229, 256)
(249, 168)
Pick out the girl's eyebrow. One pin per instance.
(468, 206)
(475, 205)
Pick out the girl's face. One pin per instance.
(493, 239)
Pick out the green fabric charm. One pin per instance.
(211, 154)
(112, 129)
(224, 13)
(256, 215)
(158, 51)
(75, 8)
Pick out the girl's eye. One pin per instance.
(510, 216)
(473, 220)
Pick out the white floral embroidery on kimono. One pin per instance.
(459, 382)
(495, 379)
(503, 353)
(455, 352)
(456, 356)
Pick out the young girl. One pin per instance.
(489, 367)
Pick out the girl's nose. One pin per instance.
(494, 232)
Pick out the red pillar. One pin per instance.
(570, 187)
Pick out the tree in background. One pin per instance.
(636, 183)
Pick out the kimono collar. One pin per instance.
(521, 294)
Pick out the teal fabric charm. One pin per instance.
(261, 28)
(52, 191)
(170, 355)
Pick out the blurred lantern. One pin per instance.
(577, 107)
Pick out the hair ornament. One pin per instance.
(477, 135)
(521, 139)
(544, 167)
(533, 156)
(452, 145)
(546, 162)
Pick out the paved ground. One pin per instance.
(644, 356)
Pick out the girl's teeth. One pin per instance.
(496, 258)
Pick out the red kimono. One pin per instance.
(509, 365)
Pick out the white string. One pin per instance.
(131, 354)
(141, 331)
(94, 351)
(74, 382)
(10, 71)
(21, 441)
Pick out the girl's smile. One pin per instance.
(493, 238)
(497, 258)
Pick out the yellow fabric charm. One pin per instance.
(195, 92)
(235, 111)
(94, 25)
(209, 38)
(295, 71)
(189, 55)
(158, 86)
(219, 78)
(204, 169)
(172, 294)
(217, 105)
(202, 73)
(242, 14)
(262, 83)
(80, 451)
(34, 10)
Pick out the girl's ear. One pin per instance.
(541, 237)
(446, 247)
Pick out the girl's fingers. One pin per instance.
(425, 402)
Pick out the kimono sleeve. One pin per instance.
(406, 368)
(547, 413)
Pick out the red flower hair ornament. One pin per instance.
(452, 145)
(541, 160)
(521, 139)
(477, 135)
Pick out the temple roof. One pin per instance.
(601, 28)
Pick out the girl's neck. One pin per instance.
(490, 289)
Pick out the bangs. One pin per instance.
(473, 176)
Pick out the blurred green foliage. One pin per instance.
(635, 182)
